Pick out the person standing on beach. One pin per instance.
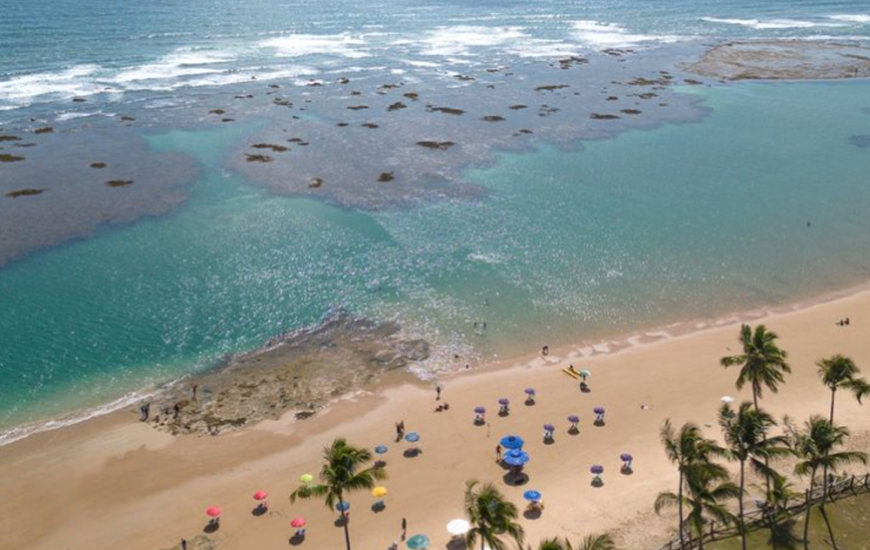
(498, 453)
(183, 544)
(144, 412)
(438, 392)
(404, 528)
(195, 387)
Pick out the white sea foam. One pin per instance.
(536, 48)
(298, 45)
(456, 40)
(62, 117)
(76, 81)
(770, 24)
(862, 18)
(610, 35)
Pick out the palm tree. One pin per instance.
(763, 362)
(815, 446)
(591, 542)
(745, 437)
(343, 472)
(839, 371)
(707, 486)
(491, 517)
(684, 449)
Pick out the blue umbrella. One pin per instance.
(480, 410)
(516, 457)
(532, 495)
(381, 449)
(343, 506)
(412, 437)
(418, 542)
(512, 442)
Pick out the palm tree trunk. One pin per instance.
(680, 509)
(755, 390)
(742, 517)
(809, 508)
(830, 529)
(833, 394)
(825, 469)
(347, 534)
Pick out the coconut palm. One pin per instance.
(839, 371)
(745, 432)
(816, 448)
(591, 542)
(491, 517)
(707, 487)
(763, 362)
(686, 448)
(343, 472)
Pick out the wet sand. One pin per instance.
(114, 482)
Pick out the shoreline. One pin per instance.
(572, 351)
(118, 471)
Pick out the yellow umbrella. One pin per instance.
(379, 492)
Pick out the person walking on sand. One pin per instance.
(404, 528)
(195, 387)
(438, 392)
(498, 452)
(183, 544)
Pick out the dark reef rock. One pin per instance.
(525, 131)
(258, 158)
(216, 112)
(357, 107)
(631, 111)
(314, 183)
(98, 165)
(24, 193)
(119, 183)
(551, 87)
(411, 95)
(342, 124)
(272, 146)
(692, 82)
(518, 106)
(46, 130)
(599, 116)
(567, 62)
(396, 106)
(446, 110)
(385, 177)
(492, 118)
(369, 125)
(282, 102)
(343, 80)
(79, 100)
(9, 138)
(463, 77)
(440, 145)
(6, 157)
(612, 98)
(128, 118)
(648, 95)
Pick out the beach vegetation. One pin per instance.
(492, 517)
(763, 363)
(344, 471)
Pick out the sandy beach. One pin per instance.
(113, 482)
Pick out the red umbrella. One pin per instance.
(213, 511)
(260, 495)
(297, 523)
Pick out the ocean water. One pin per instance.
(682, 216)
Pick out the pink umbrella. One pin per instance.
(213, 511)
(260, 495)
(297, 523)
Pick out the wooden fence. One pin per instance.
(839, 489)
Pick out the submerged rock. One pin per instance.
(119, 183)
(631, 111)
(357, 107)
(24, 193)
(599, 116)
(370, 125)
(445, 110)
(492, 118)
(272, 146)
(386, 176)
(411, 95)
(396, 106)
(6, 157)
(9, 138)
(46, 130)
(551, 87)
(441, 145)
(216, 112)
(518, 106)
(258, 158)
(98, 165)
(315, 183)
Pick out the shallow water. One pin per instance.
(703, 212)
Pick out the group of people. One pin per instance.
(843, 322)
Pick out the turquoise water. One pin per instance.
(687, 220)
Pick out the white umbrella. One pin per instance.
(727, 399)
(458, 527)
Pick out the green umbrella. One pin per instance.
(418, 542)
(306, 478)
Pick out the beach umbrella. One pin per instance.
(516, 457)
(306, 478)
(512, 442)
(503, 401)
(625, 457)
(213, 511)
(598, 410)
(479, 410)
(533, 496)
(585, 373)
(297, 523)
(343, 506)
(458, 527)
(599, 414)
(727, 399)
(260, 495)
(597, 470)
(530, 392)
(381, 449)
(573, 419)
(379, 492)
(549, 427)
(418, 542)
(412, 437)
